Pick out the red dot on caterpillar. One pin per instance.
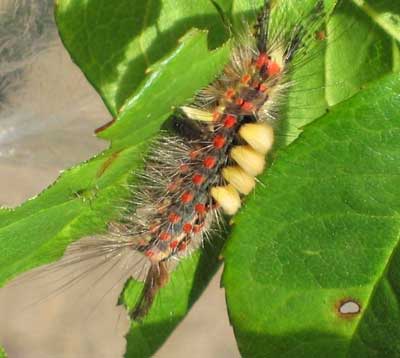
(229, 121)
(247, 106)
(149, 253)
(273, 68)
(209, 162)
(198, 179)
(219, 141)
(200, 208)
(186, 197)
(174, 218)
(164, 236)
(245, 79)
(174, 244)
(187, 228)
(229, 93)
(262, 60)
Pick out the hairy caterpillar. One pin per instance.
(203, 171)
(264, 51)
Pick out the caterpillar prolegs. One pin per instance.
(194, 177)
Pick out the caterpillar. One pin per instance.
(201, 168)
(195, 177)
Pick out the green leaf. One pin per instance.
(333, 73)
(386, 13)
(324, 229)
(363, 52)
(116, 42)
(3, 353)
(137, 56)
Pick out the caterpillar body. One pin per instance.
(193, 178)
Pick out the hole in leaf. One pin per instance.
(348, 308)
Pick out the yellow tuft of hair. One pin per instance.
(242, 181)
(227, 197)
(252, 162)
(197, 114)
(260, 136)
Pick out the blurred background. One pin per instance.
(48, 113)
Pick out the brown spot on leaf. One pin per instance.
(320, 35)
